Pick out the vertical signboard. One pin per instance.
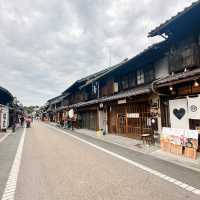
(4, 117)
(194, 107)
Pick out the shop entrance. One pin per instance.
(121, 123)
(131, 120)
(89, 120)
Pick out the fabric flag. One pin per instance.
(194, 107)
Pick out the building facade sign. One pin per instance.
(4, 117)
(71, 113)
(133, 115)
(194, 108)
(179, 113)
(122, 101)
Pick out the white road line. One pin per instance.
(10, 188)
(4, 137)
(138, 165)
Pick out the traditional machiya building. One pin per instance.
(6, 100)
(157, 88)
(54, 109)
(180, 90)
(79, 93)
(120, 100)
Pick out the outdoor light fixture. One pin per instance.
(171, 88)
(196, 84)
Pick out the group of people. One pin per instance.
(20, 121)
(68, 123)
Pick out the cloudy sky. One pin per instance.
(45, 45)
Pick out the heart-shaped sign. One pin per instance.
(179, 113)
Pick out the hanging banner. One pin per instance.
(71, 113)
(122, 101)
(179, 113)
(194, 107)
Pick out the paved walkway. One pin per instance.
(2, 134)
(8, 149)
(137, 145)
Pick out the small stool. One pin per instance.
(148, 139)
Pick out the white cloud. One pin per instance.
(45, 45)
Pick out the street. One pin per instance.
(57, 166)
(100, 100)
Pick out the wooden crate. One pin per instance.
(176, 149)
(165, 145)
(190, 153)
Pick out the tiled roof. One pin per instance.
(55, 99)
(5, 96)
(160, 29)
(157, 46)
(6, 91)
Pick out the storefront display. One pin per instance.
(180, 141)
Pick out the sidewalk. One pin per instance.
(8, 148)
(4, 135)
(137, 145)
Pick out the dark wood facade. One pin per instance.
(121, 122)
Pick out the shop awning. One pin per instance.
(178, 78)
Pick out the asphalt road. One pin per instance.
(57, 166)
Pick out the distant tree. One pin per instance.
(30, 109)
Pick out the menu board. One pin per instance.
(184, 137)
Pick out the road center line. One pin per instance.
(10, 188)
(136, 164)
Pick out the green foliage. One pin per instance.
(30, 109)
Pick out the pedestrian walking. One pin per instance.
(28, 122)
(22, 120)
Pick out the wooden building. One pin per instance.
(183, 58)
(180, 90)
(54, 109)
(120, 100)
(132, 98)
